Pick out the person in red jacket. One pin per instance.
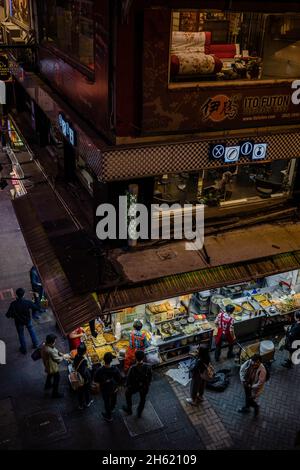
(225, 332)
(137, 342)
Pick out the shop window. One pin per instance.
(227, 185)
(69, 26)
(246, 183)
(218, 46)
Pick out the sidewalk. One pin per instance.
(29, 418)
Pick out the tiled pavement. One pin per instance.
(220, 426)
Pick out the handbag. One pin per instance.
(37, 354)
(208, 373)
(76, 379)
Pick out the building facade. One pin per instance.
(187, 102)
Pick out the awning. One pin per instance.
(197, 281)
(70, 310)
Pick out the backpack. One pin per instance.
(208, 373)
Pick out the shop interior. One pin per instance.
(214, 45)
(230, 184)
(178, 325)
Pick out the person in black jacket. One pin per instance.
(81, 366)
(21, 311)
(198, 383)
(138, 381)
(109, 379)
(292, 336)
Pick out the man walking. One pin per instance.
(21, 311)
(109, 379)
(138, 381)
(253, 377)
(37, 288)
(51, 359)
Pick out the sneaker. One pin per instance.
(243, 410)
(256, 411)
(190, 401)
(106, 418)
(127, 410)
(23, 351)
(58, 395)
(200, 399)
(89, 403)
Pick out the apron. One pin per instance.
(130, 353)
(224, 330)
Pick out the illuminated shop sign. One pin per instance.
(232, 154)
(67, 130)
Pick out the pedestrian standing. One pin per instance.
(138, 381)
(109, 379)
(21, 311)
(225, 332)
(81, 366)
(200, 372)
(37, 288)
(253, 375)
(51, 359)
(293, 335)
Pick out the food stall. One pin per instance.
(177, 326)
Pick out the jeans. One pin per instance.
(249, 400)
(84, 394)
(20, 330)
(143, 393)
(110, 400)
(52, 381)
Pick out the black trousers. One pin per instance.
(197, 386)
(219, 346)
(249, 400)
(110, 400)
(143, 393)
(52, 381)
(84, 396)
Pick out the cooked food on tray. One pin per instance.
(247, 306)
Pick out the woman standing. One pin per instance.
(81, 366)
(201, 372)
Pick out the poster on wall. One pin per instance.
(19, 11)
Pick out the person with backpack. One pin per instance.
(253, 376)
(80, 366)
(225, 332)
(137, 342)
(201, 371)
(138, 381)
(293, 335)
(109, 378)
(21, 310)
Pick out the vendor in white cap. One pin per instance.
(137, 342)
